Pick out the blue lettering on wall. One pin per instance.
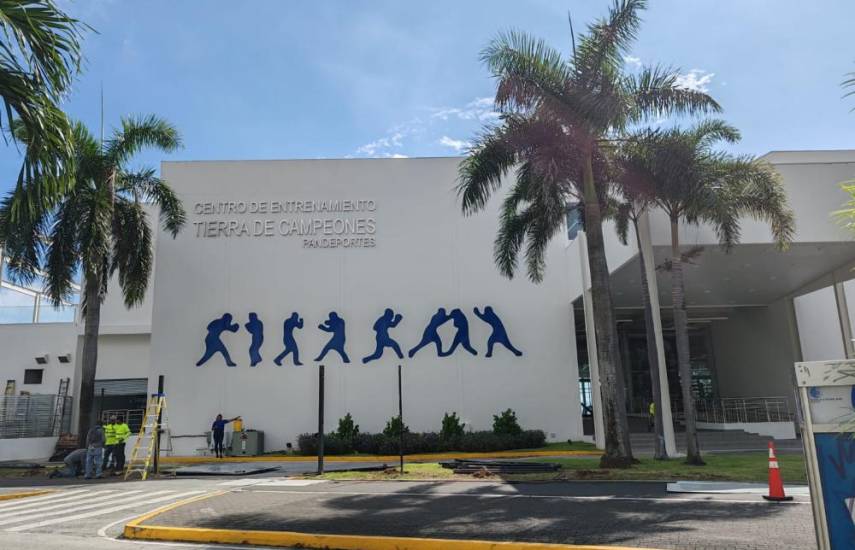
(213, 343)
(382, 340)
(499, 335)
(461, 337)
(334, 325)
(430, 334)
(256, 328)
(291, 323)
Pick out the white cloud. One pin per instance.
(398, 156)
(696, 79)
(457, 144)
(632, 60)
(480, 108)
(431, 130)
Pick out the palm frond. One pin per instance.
(653, 92)
(138, 133)
(132, 250)
(145, 185)
(481, 172)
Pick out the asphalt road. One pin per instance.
(89, 516)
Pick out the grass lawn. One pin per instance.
(720, 467)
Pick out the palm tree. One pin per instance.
(636, 204)
(556, 114)
(694, 183)
(39, 57)
(98, 227)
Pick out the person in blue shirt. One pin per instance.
(218, 431)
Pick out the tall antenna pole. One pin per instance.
(102, 114)
(572, 35)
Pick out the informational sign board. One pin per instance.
(827, 399)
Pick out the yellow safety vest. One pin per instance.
(123, 432)
(110, 434)
(652, 408)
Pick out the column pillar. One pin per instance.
(843, 317)
(591, 340)
(646, 241)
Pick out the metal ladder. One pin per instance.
(146, 444)
(59, 405)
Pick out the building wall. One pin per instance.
(819, 325)
(426, 256)
(753, 353)
(19, 346)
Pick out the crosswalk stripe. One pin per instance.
(75, 504)
(17, 503)
(76, 517)
(59, 501)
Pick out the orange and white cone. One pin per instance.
(776, 485)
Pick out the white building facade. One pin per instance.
(268, 239)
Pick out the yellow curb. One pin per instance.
(134, 530)
(10, 496)
(428, 457)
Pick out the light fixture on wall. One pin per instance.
(42, 359)
(65, 358)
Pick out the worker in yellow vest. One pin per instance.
(109, 441)
(122, 433)
(651, 416)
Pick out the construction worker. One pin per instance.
(651, 416)
(94, 450)
(110, 441)
(75, 462)
(122, 433)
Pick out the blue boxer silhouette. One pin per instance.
(291, 323)
(381, 327)
(430, 334)
(334, 325)
(499, 335)
(462, 337)
(213, 344)
(256, 328)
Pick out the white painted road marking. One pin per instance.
(40, 509)
(114, 503)
(22, 502)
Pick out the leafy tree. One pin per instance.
(556, 116)
(39, 57)
(506, 423)
(394, 427)
(347, 429)
(682, 173)
(451, 426)
(99, 227)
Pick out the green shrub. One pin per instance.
(506, 423)
(394, 427)
(451, 426)
(382, 444)
(347, 430)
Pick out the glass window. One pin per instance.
(33, 376)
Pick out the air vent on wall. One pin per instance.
(42, 359)
(65, 358)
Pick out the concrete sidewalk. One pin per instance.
(623, 514)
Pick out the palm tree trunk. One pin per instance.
(681, 330)
(618, 452)
(92, 321)
(660, 452)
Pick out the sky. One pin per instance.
(356, 78)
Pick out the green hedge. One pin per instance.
(431, 442)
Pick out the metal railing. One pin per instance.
(727, 410)
(34, 415)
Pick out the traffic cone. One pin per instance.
(776, 485)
